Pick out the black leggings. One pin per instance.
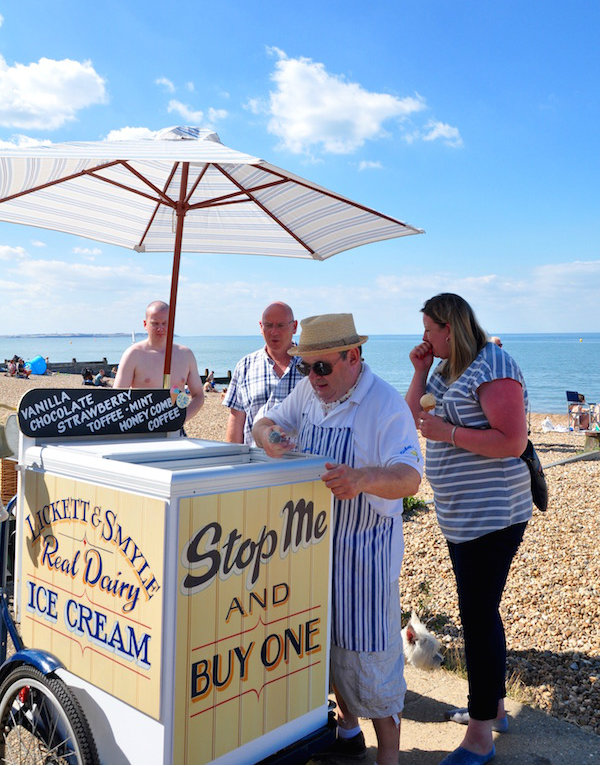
(481, 568)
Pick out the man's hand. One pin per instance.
(343, 481)
(271, 438)
(391, 483)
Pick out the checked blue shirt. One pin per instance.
(255, 383)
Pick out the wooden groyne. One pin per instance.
(226, 379)
(75, 367)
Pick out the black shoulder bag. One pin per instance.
(539, 487)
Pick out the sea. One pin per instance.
(551, 363)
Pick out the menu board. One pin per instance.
(68, 412)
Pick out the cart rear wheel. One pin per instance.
(41, 721)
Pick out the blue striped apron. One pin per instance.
(362, 541)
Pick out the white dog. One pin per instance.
(421, 648)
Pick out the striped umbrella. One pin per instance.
(182, 191)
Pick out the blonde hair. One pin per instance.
(467, 337)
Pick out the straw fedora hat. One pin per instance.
(327, 333)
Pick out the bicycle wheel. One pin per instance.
(41, 721)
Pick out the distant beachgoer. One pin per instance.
(22, 370)
(88, 377)
(99, 378)
(11, 368)
(482, 492)
(265, 377)
(579, 415)
(209, 383)
(495, 339)
(142, 364)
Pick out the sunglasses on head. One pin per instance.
(319, 368)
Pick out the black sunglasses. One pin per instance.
(319, 368)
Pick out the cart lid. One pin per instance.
(154, 450)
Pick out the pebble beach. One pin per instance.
(551, 606)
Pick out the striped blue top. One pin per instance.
(475, 495)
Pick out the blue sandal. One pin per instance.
(463, 756)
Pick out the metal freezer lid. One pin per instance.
(223, 467)
(149, 451)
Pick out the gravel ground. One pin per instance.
(551, 606)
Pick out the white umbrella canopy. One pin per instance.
(182, 191)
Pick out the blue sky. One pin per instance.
(476, 121)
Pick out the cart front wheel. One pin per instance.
(41, 721)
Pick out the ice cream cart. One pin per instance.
(178, 587)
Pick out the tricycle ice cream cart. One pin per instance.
(171, 595)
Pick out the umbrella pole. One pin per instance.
(180, 212)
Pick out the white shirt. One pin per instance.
(383, 432)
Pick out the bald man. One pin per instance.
(265, 377)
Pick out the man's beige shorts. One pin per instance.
(372, 683)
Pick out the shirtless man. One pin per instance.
(142, 364)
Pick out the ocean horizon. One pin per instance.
(551, 363)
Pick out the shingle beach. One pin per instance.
(551, 606)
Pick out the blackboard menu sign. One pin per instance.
(99, 411)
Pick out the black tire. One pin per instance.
(41, 721)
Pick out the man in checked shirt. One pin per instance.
(265, 377)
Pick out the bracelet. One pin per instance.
(452, 436)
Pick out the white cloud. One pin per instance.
(369, 165)
(130, 134)
(561, 275)
(165, 83)
(539, 299)
(90, 251)
(190, 87)
(190, 116)
(37, 243)
(256, 106)
(8, 253)
(73, 294)
(46, 94)
(195, 117)
(1, 20)
(216, 114)
(77, 293)
(23, 142)
(312, 108)
(442, 131)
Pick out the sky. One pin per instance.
(476, 121)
